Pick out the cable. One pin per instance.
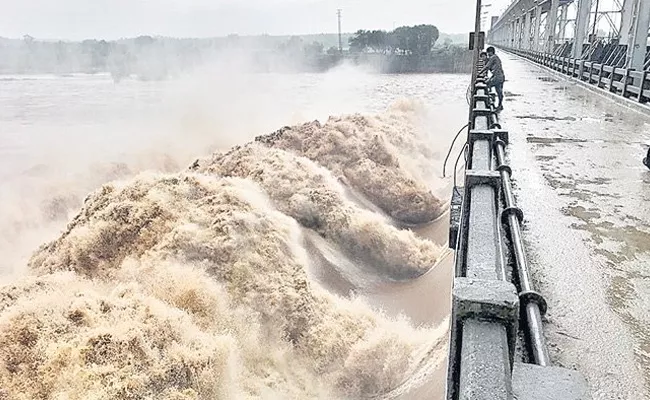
(444, 166)
(462, 151)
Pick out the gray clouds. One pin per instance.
(111, 19)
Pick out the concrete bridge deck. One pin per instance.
(586, 196)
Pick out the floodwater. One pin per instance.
(577, 161)
(62, 137)
(68, 135)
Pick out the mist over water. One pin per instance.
(62, 137)
(219, 281)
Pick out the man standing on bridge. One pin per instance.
(498, 77)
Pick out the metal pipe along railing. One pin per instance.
(489, 311)
(532, 301)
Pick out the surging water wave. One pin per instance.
(196, 285)
(312, 196)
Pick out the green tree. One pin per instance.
(378, 41)
(362, 40)
(359, 41)
(399, 40)
(414, 40)
(425, 38)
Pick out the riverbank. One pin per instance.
(161, 58)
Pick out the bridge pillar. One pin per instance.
(551, 25)
(582, 22)
(518, 33)
(561, 32)
(538, 19)
(638, 38)
(522, 31)
(627, 18)
(527, 38)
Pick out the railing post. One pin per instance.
(641, 98)
(616, 81)
(581, 70)
(600, 75)
(626, 79)
(574, 64)
(612, 76)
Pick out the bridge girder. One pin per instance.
(520, 26)
(636, 33)
(582, 23)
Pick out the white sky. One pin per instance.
(110, 19)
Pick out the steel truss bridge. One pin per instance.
(497, 349)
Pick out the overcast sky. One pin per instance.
(111, 19)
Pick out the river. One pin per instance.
(62, 137)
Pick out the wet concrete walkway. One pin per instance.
(579, 178)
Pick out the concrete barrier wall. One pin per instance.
(497, 347)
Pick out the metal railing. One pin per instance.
(624, 82)
(494, 303)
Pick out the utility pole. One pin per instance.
(338, 12)
(477, 31)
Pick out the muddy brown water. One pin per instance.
(425, 301)
(102, 123)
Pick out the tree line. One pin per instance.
(416, 40)
(160, 57)
(152, 57)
